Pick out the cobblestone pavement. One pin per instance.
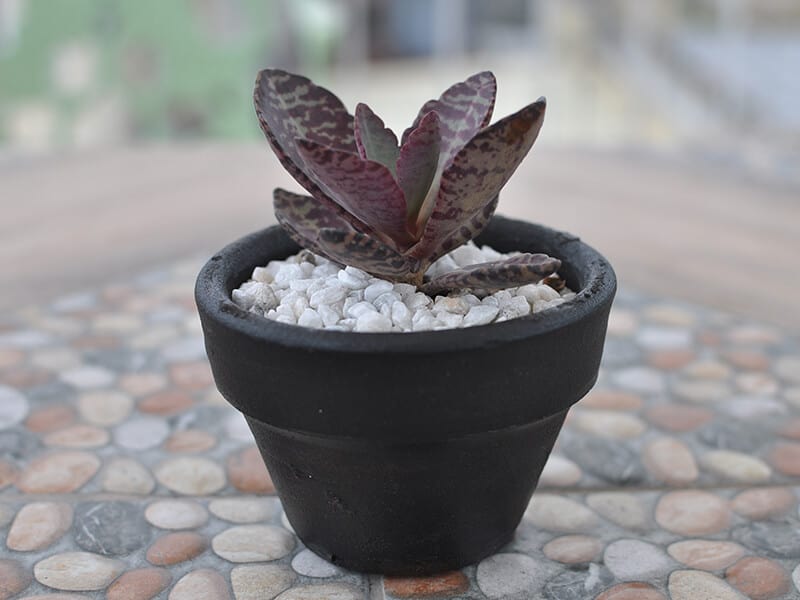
(123, 473)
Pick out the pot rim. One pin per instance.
(234, 264)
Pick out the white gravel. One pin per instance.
(311, 291)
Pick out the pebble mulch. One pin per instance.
(123, 474)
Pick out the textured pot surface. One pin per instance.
(407, 452)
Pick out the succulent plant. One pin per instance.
(392, 208)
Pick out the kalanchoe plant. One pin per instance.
(393, 208)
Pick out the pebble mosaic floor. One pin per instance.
(124, 475)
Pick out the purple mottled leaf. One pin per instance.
(496, 275)
(303, 216)
(464, 109)
(366, 253)
(416, 166)
(478, 172)
(374, 140)
(468, 230)
(364, 188)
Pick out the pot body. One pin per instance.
(407, 453)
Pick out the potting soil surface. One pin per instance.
(124, 474)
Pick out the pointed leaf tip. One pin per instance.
(374, 140)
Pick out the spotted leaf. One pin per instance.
(366, 253)
(512, 272)
(306, 216)
(469, 229)
(364, 188)
(478, 173)
(416, 166)
(374, 140)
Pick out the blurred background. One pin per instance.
(672, 139)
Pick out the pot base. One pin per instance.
(406, 508)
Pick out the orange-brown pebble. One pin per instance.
(635, 590)
(247, 472)
(141, 584)
(8, 474)
(191, 376)
(763, 503)
(50, 418)
(13, 578)
(785, 457)
(746, 359)
(678, 418)
(190, 440)
(443, 585)
(669, 360)
(166, 403)
(58, 473)
(175, 548)
(25, 377)
(612, 400)
(573, 549)
(758, 578)
(693, 513)
(791, 429)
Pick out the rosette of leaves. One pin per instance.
(389, 207)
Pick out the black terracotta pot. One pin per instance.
(407, 453)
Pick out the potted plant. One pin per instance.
(416, 452)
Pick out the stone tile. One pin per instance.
(632, 591)
(707, 555)
(8, 474)
(166, 403)
(127, 476)
(141, 433)
(763, 503)
(578, 584)
(778, 538)
(202, 584)
(606, 423)
(609, 460)
(111, 528)
(77, 571)
(39, 525)
(14, 578)
(693, 513)
(309, 564)
(140, 384)
(191, 476)
(139, 584)
(678, 418)
(758, 578)
(105, 407)
(329, 591)
(635, 560)
(788, 368)
(621, 508)
(255, 582)
(176, 514)
(190, 441)
(247, 472)
(13, 407)
(509, 575)
(573, 549)
(670, 360)
(77, 436)
(785, 458)
(175, 548)
(434, 586)
(556, 513)
(736, 466)
(692, 585)
(60, 473)
(244, 510)
(559, 472)
(87, 377)
(611, 400)
(253, 543)
(191, 376)
(50, 418)
(671, 461)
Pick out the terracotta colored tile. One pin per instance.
(758, 578)
(192, 376)
(247, 472)
(25, 377)
(678, 417)
(166, 403)
(11, 358)
(791, 429)
(50, 418)
(140, 584)
(763, 503)
(632, 591)
(747, 359)
(175, 548)
(670, 359)
(445, 585)
(190, 440)
(8, 474)
(693, 513)
(13, 578)
(96, 342)
(612, 400)
(785, 457)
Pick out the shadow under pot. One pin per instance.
(407, 453)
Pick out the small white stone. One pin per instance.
(13, 407)
(309, 564)
(262, 275)
(351, 281)
(450, 320)
(287, 319)
(328, 315)
(310, 318)
(141, 433)
(426, 322)
(515, 307)
(406, 290)
(286, 274)
(466, 255)
(328, 295)
(356, 272)
(530, 292)
(300, 285)
(253, 543)
(796, 577)
(373, 322)
(490, 301)
(401, 316)
(374, 290)
(454, 305)
(480, 315)
(418, 300)
(356, 309)
(386, 299)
